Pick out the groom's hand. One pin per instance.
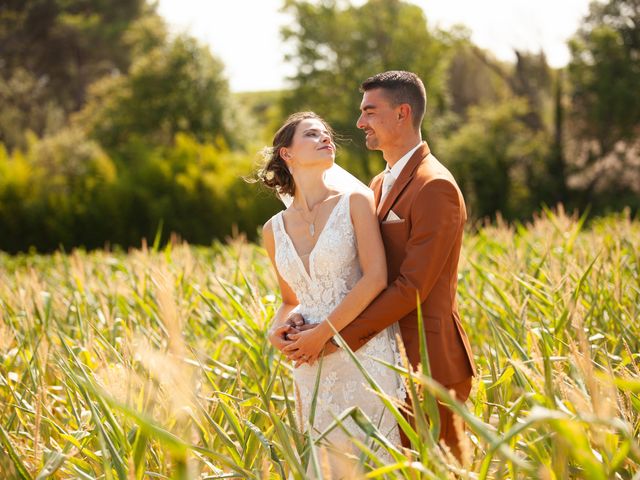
(297, 321)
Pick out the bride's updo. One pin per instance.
(275, 173)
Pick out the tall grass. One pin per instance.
(155, 364)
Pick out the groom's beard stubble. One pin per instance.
(371, 142)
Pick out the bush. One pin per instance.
(65, 191)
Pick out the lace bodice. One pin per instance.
(334, 269)
(333, 263)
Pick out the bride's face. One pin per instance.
(312, 145)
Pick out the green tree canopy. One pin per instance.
(336, 46)
(56, 49)
(605, 73)
(175, 87)
(70, 43)
(496, 158)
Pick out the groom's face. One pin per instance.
(378, 118)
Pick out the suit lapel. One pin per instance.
(405, 176)
(376, 186)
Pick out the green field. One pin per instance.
(155, 363)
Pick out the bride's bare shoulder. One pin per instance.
(267, 228)
(361, 201)
(268, 240)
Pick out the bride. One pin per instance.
(330, 264)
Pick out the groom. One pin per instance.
(422, 214)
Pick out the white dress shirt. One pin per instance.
(392, 174)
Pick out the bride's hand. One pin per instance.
(307, 345)
(279, 336)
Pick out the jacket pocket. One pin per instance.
(395, 233)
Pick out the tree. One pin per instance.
(604, 113)
(336, 46)
(55, 49)
(175, 87)
(68, 43)
(26, 107)
(605, 74)
(472, 78)
(497, 158)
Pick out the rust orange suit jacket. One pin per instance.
(422, 252)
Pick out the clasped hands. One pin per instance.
(302, 342)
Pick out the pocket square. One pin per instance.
(392, 217)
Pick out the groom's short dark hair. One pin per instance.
(402, 87)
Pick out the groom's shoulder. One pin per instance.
(432, 169)
(376, 179)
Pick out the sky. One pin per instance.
(245, 34)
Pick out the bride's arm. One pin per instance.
(309, 344)
(279, 326)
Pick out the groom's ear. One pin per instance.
(404, 111)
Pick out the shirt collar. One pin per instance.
(396, 170)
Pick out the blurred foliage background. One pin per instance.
(112, 129)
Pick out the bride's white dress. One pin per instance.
(333, 271)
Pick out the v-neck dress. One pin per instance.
(334, 269)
